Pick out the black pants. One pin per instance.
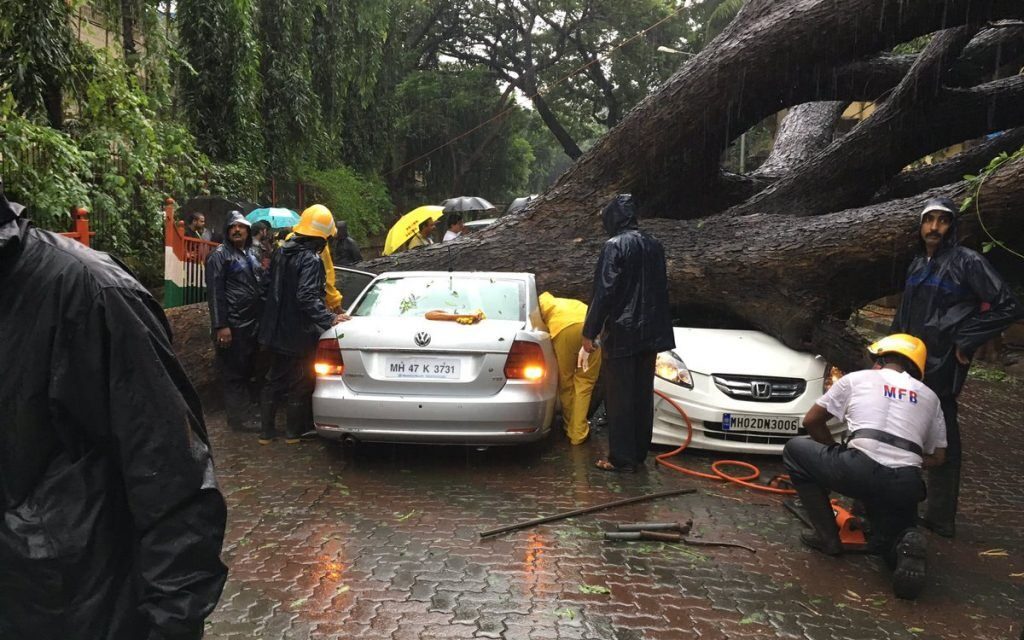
(629, 402)
(890, 495)
(950, 412)
(235, 364)
(292, 378)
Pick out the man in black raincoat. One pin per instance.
(955, 302)
(233, 295)
(629, 310)
(346, 250)
(293, 319)
(112, 519)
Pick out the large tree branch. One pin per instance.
(789, 276)
(774, 55)
(852, 169)
(806, 130)
(971, 161)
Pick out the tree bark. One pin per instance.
(772, 56)
(970, 161)
(806, 130)
(786, 275)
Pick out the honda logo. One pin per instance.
(422, 339)
(760, 390)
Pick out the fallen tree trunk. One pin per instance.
(797, 278)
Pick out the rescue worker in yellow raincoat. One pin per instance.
(332, 296)
(564, 318)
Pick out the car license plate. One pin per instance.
(788, 425)
(422, 368)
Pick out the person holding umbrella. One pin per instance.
(422, 236)
(409, 226)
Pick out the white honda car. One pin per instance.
(744, 391)
(389, 374)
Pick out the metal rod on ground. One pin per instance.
(580, 512)
(657, 526)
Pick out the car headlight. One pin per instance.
(832, 373)
(670, 367)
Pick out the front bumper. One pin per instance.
(521, 412)
(705, 406)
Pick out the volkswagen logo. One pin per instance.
(760, 390)
(422, 339)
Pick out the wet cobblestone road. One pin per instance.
(381, 542)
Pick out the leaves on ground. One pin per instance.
(404, 517)
(594, 588)
(754, 618)
(567, 613)
(994, 553)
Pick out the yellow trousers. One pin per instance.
(575, 386)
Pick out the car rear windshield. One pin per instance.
(499, 299)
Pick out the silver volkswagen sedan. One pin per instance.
(391, 375)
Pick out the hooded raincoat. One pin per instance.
(953, 299)
(295, 313)
(232, 283)
(112, 519)
(629, 302)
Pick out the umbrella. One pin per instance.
(519, 204)
(466, 203)
(408, 225)
(279, 218)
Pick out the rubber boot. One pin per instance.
(268, 415)
(825, 534)
(911, 552)
(298, 424)
(237, 410)
(943, 497)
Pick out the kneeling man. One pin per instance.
(895, 427)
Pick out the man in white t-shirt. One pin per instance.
(895, 427)
(455, 226)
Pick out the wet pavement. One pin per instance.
(381, 541)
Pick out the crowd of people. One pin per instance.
(278, 300)
(113, 520)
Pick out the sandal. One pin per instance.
(604, 465)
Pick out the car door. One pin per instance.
(351, 283)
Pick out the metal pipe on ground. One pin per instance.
(585, 510)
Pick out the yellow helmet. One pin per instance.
(904, 344)
(318, 221)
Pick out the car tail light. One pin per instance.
(328, 358)
(525, 362)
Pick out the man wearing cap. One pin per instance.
(233, 295)
(955, 302)
(896, 427)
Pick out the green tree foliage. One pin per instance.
(220, 80)
(292, 121)
(359, 200)
(37, 56)
(493, 161)
(581, 62)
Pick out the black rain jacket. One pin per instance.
(630, 295)
(346, 251)
(295, 313)
(955, 299)
(112, 519)
(232, 285)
